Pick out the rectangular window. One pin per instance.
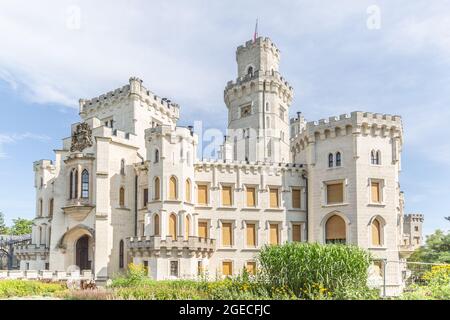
(227, 268)
(145, 197)
(203, 229)
(251, 267)
(251, 197)
(227, 234)
(226, 196)
(296, 194)
(274, 201)
(200, 268)
(174, 268)
(202, 194)
(274, 238)
(375, 190)
(335, 193)
(251, 235)
(296, 233)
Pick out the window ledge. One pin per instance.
(335, 205)
(335, 168)
(296, 209)
(251, 209)
(374, 204)
(203, 207)
(188, 203)
(226, 208)
(378, 248)
(173, 201)
(123, 208)
(230, 249)
(251, 249)
(274, 209)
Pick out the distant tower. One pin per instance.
(258, 105)
(412, 228)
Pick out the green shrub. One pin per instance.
(314, 271)
(436, 287)
(26, 288)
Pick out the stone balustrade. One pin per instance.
(45, 275)
(154, 244)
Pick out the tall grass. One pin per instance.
(314, 271)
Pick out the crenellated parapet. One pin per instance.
(175, 135)
(364, 123)
(263, 42)
(234, 166)
(135, 90)
(414, 217)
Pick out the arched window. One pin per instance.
(338, 159)
(173, 188)
(50, 208)
(378, 157)
(250, 71)
(122, 167)
(330, 160)
(85, 184)
(156, 225)
(173, 226)
(157, 188)
(156, 155)
(75, 191)
(71, 185)
(187, 226)
(376, 232)
(375, 157)
(121, 254)
(335, 230)
(40, 208)
(188, 191)
(122, 197)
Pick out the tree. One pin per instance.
(3, 228)
(21, 226)
(435, 250)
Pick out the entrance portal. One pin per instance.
(82, 253)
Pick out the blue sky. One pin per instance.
(54, 52)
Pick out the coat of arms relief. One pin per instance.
(81, 137)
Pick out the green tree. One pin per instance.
(3, 228)
(436, 249)
(21, 226)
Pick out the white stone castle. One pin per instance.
(127, 185)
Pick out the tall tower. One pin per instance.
(258, 105)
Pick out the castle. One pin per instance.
(127, 185)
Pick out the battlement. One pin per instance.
(248, 165)
(264, 42)
(42, 164)
(413, 217)
(135, 87)
(355, 122)
(268, 76)
(179, 132)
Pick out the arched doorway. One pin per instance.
(82, 253)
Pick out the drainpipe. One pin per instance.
(306, 204)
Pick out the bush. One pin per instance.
(26, 288)
(314, 271)
(136, 275)
(436, 287)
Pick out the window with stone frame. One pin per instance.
(335, 193)
(246, 111)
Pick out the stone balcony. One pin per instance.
(28, 251)
(153, 245)
(406, 250)
(78, 209)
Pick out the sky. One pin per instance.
(340, 56)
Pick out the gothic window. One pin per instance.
(173, 188)
(122, 167)
(338, 159)
(145, 197)
(121, 254)
(156, 155)
(50, 208)
(375, 157)
(157, 189)
(71, 185)
(296, 233)
(376, 232)
(156, 225)
(40, 208)
(122, 197)
(173, 226)
(330, 160)
(85, 184)
(188, 191)
(76, 185)
(335, 230)
(250, 71)
(378, 157)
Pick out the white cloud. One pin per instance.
(10, 138)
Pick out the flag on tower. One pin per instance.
(255, 35)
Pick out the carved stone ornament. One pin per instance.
(81, 138)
